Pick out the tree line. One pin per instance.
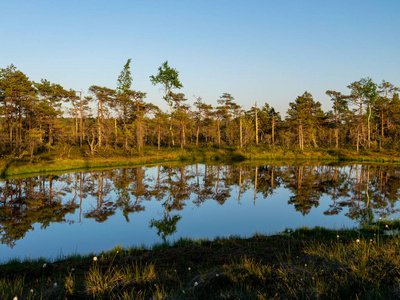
(36, 117)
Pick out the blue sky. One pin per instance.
(264, 51)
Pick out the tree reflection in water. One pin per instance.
(362, 191)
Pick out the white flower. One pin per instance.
(337, 236)
(217, 274)
(189, 269)
(72, 269)
(183, 291)
(31, 290)
(44, 265)
(305, 265)
(380, 218)
(196, 284)
(95, 258)
(357, 240)
(55, 284)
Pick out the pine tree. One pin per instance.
(306, 115)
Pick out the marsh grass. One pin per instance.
(318, 263)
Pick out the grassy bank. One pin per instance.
(61, 159)
(311, 264)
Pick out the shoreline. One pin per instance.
(319, 262)
(49, 162)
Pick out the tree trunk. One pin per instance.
(241, 131)
(336, 127)
(116, 133)
(99, 124)
(76, 122)
(314, 141)
(358, 137)
(20, 121)
(50, 133)
(11, 126)
(256, 121)
(301, 136)
(369, 126)
(273, 130)
(197, 134)
(183, 137)
(219, 134)
(337, 138)
(382, 132)
(81, 121)
(126, 138)
(159, 137)
(6, 116)
(139, 135)
(171, 132)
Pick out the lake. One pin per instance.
(90, 211)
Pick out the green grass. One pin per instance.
(306, 263)
(62, 160)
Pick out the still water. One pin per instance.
(91, 211)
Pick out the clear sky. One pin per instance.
(264, 51)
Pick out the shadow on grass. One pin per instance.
(46, 159)
(6, 167)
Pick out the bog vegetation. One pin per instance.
(303, 264)
(39, 117)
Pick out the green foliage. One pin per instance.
(305, 110)
(124, 81)
(306, 115)
(168, 78)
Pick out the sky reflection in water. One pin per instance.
(84, 212)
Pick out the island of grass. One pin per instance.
(305, 263)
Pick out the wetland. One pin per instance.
(90, 211)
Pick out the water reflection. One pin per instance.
(359, 192)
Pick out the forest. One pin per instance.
(42, 117)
